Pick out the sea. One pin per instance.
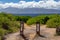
(32, 15)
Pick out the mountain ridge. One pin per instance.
(29, 10)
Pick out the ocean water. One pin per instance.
(32, 15)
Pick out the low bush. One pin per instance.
(8, 24)
(2, 32)
(42, 19)
(23, 18)
(53, 23)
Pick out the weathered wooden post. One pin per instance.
(21, 27)
(58, 30)
(22, 30)
(38, 28)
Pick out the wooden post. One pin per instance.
(21, 27)
(38, 28)
(22, 30)
(58, 30)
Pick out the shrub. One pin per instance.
(8, 24)
(53, 16)
(42, 19)
(31, 21)
(13, 26)
(2, 32)
(23, 18)
(53, 23)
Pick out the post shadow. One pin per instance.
(3, 38)
(22, 30)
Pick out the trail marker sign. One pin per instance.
(21, 27)
(22, 30)
(38, 28)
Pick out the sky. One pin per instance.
(15, 1)
(47, 4)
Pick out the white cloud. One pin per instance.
(49, 4)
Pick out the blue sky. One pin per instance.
(15, 1)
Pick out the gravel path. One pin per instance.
(29, 32)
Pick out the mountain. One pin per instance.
(29, 10)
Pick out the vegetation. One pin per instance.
(42, 19)
(23, 18)
(52, 21)
(10, 23)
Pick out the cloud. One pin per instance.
(48, 4)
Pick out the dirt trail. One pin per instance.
(30, 31)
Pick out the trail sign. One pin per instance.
(38, 28)
(21, 27)
(22, 30)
